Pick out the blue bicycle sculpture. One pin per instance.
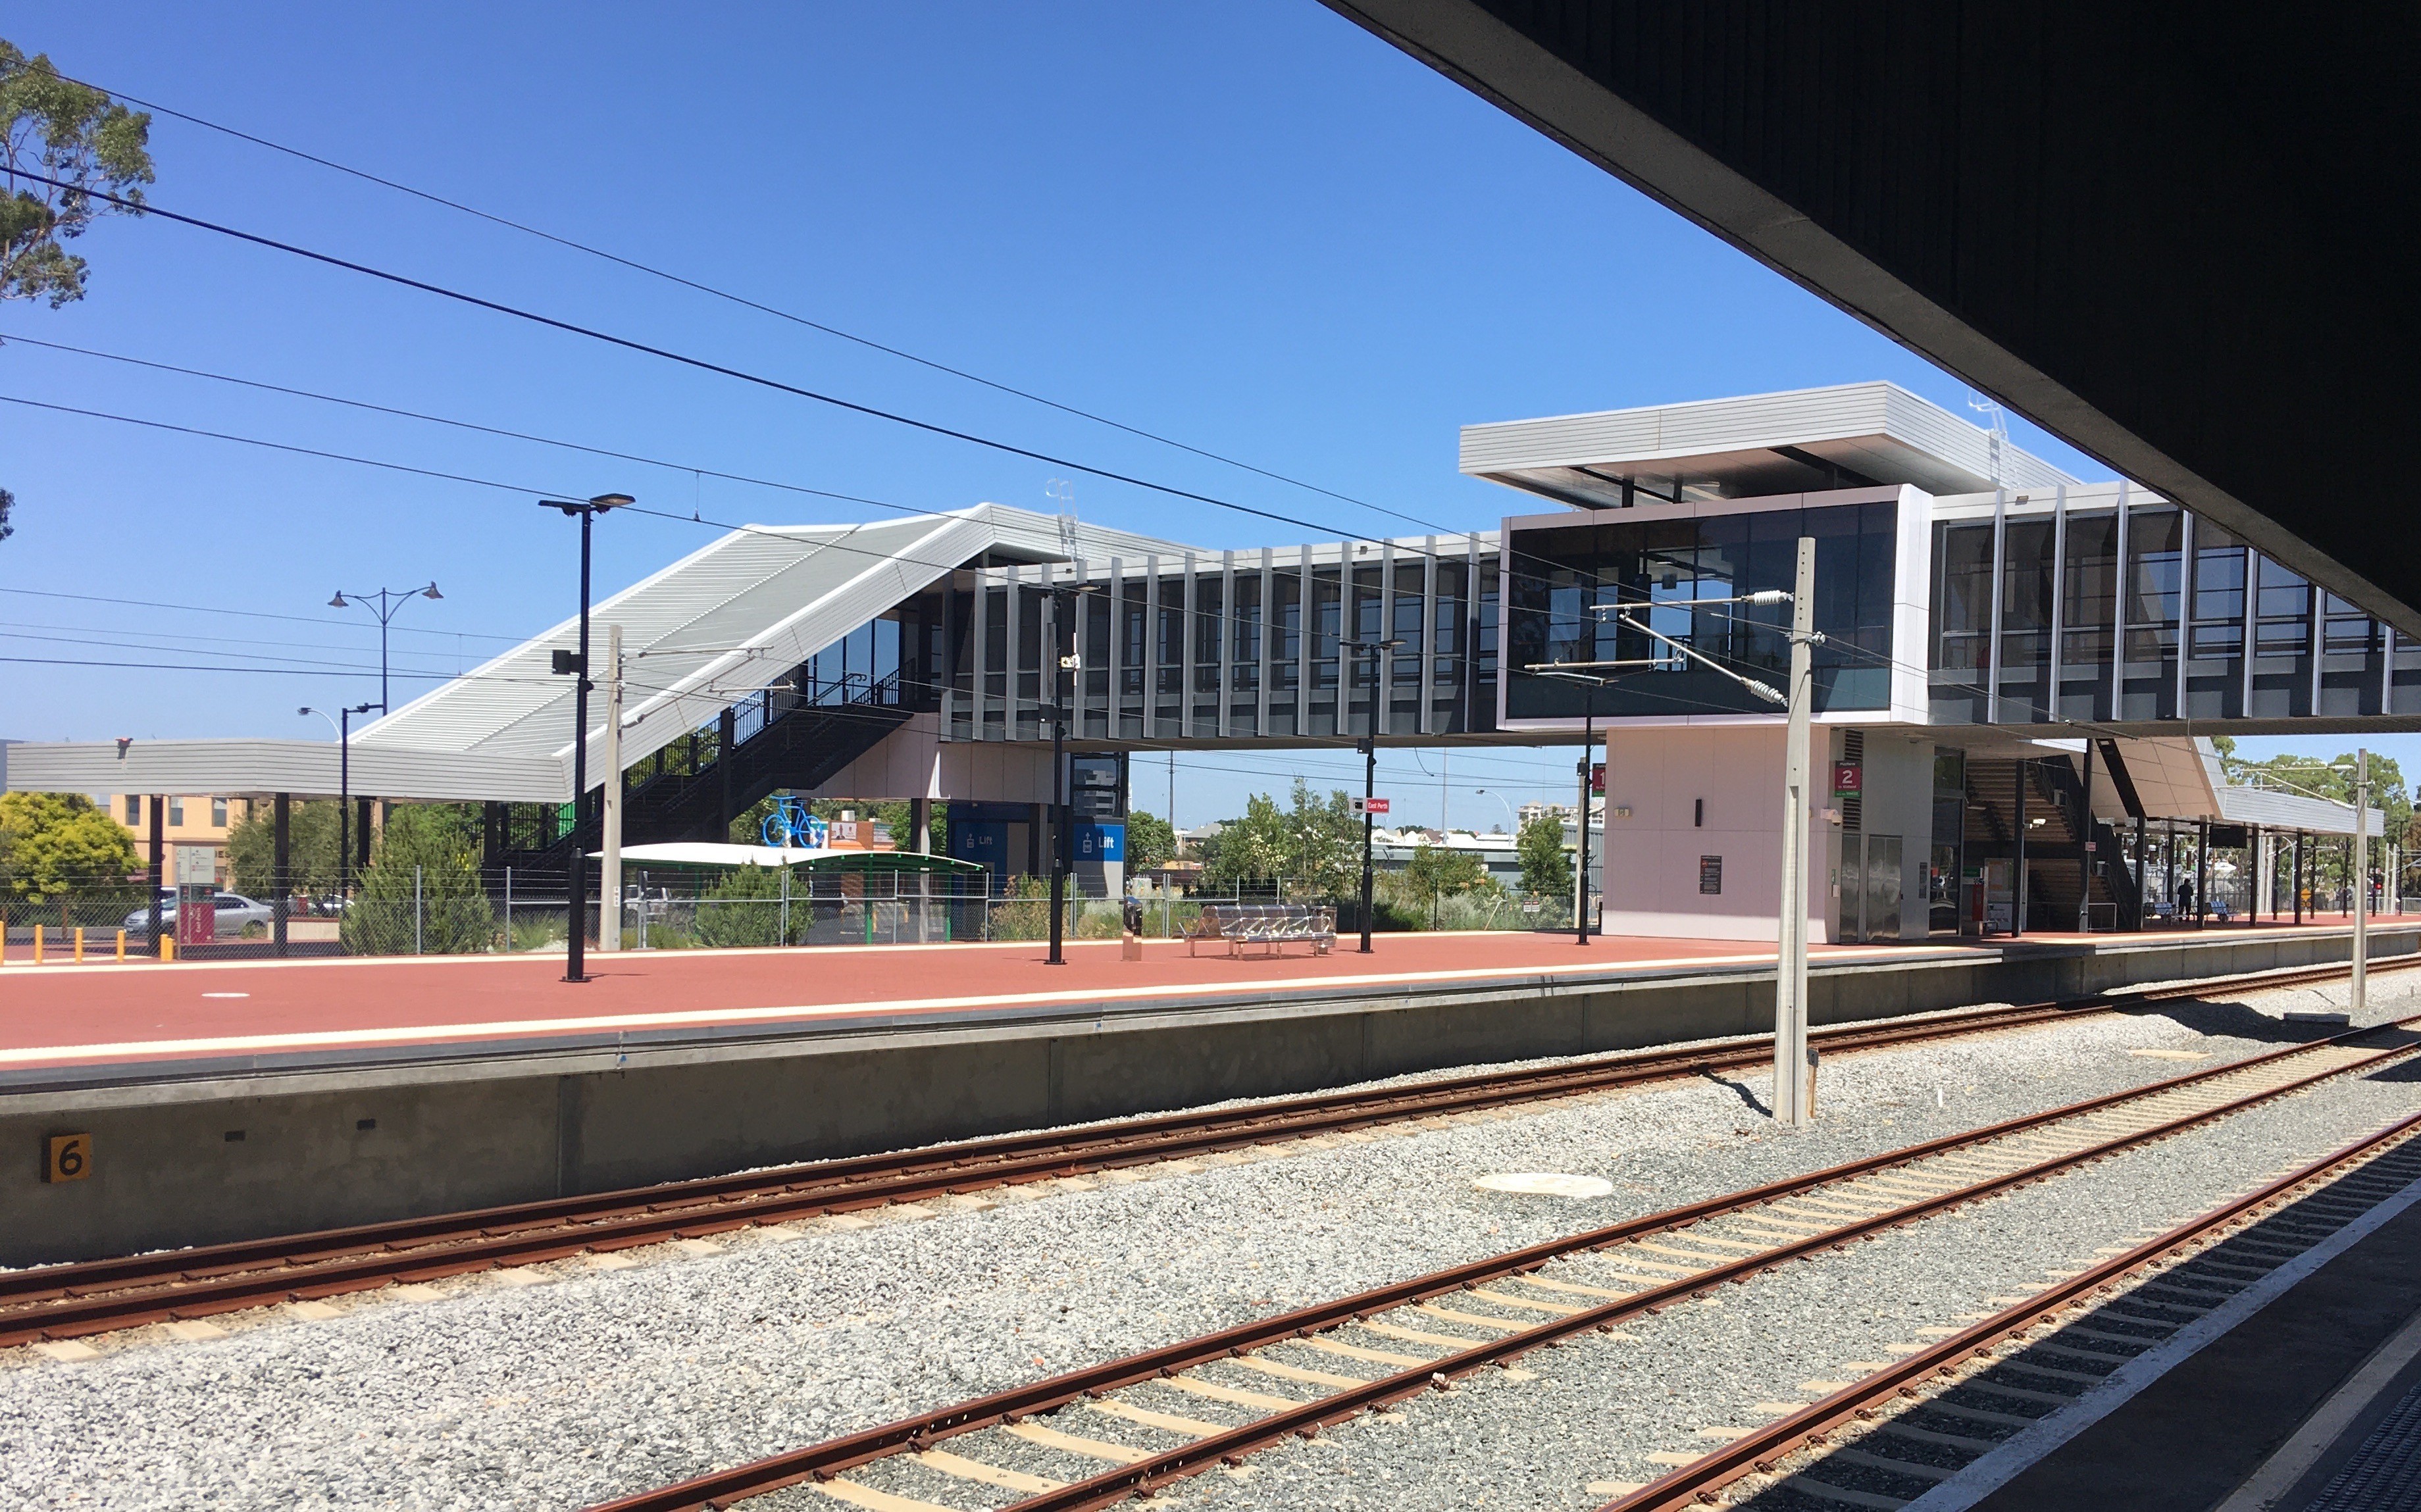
(790, 826)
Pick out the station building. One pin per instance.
(2012, 700)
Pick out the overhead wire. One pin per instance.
(150, 208)
(254, 614)
(744, 301)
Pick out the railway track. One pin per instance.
(65, 1302)
(1295, 1373)
(2047, 1350)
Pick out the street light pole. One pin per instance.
(1059, 838)
(1588, 749)
(576, 889)
(385, 612)
(1377, 649)
(343, 723)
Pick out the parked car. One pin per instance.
(230, 914)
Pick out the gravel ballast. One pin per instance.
(598, 1383)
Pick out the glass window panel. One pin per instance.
(1286, 622)
(1209, 617)
(1962, 596)
(2155, 539)
(2025, 593)
(2283, 593)
(1663, 571)
(1247, 619)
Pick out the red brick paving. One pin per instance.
(55, 1016)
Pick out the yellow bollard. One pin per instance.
(38, 944)
(79, 945)
(167, 947)
(121, 944)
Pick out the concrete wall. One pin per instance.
(458, 1134)
(1664, 776)
(914, 761)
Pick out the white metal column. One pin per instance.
(1993, 651)
(2118, 615)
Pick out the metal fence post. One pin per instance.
(783, 937)
(416, 911)
(508, 911)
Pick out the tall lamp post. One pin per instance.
(1588, 748)
(342, 720)
(1378, 651)
(389, 600)
(1063, 858)
(576, 665)
(1511, 826)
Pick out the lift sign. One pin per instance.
(71, 1158)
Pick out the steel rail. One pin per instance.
(822, 1461)
(75, 1299)
(1693, 1485)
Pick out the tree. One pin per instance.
(1150, 841)
(73, 135)
(1435, 874)
(7, 503)
(55, 844)
(2319, 778)
(1316, 841)
(1546, 868)
(422, 892)
(311, 848)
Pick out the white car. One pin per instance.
(230, 912)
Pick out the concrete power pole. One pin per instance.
(609, 890)
(1791, 1072)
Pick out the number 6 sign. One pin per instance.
(71, 1158)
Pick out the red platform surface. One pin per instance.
(66, 1016)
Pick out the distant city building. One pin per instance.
(189, 819)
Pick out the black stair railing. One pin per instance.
(2057, 781)
(801, 736)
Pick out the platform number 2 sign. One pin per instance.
(71, 1158)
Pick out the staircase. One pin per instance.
(802, 745)
(2056, 823)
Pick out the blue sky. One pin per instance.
(1250, 227)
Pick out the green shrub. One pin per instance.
(743, 909)
(429, 846)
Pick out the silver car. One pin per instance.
(230, 914)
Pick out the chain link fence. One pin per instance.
(455, 909)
